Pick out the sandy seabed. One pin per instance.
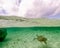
(24, 37)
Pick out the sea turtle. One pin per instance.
(41, 39)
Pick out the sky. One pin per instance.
(30, 8)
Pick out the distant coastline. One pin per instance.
(13, 21)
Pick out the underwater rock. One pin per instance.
(3, 34)
(41, 39)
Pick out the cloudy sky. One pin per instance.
(30, 8)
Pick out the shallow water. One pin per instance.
(23, 37)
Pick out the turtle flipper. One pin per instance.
(45, 42)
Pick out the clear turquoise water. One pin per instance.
(22, 37)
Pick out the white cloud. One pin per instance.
(24, 6)
(9, 6)
(30, 8)
(15, 7)
(44, 8)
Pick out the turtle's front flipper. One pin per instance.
(45, 42)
